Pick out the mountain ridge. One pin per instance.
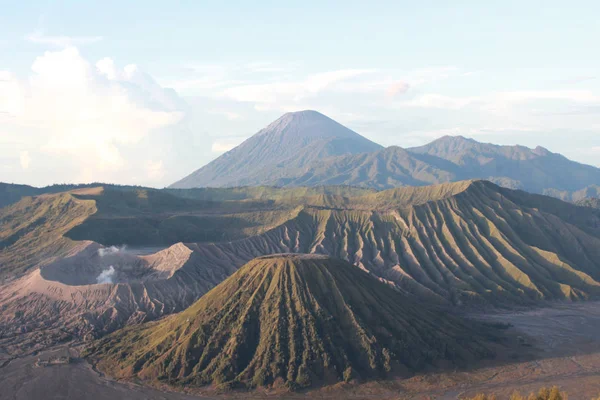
(454, 244)
(326, 153)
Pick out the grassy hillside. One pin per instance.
(294, 320)
(266, 192)
(11, 193)
(150, 217)
(32, 230)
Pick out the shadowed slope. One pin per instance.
(294, 319)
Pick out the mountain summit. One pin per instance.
(293, 141)
(297, 320)
(307, 148)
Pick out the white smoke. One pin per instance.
(106, 276)
(110, 250)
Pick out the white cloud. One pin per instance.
(11, 98)
(24, 159)
(86, 115)
(291, 90)
(433, 100)
(40, 37)
(500, 100)
(106, 67)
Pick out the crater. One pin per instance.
(114, 265)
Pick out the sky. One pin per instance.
(145, 92)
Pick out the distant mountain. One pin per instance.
(292, 320)
(308, 149)
(384, 169)
(293, 141)
(535, 170)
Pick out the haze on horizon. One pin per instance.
(147, 92)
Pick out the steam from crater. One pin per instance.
(106, 276)
(110, 250)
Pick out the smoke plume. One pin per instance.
(110, 250)
(106, 276)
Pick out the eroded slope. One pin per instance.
(297, 320)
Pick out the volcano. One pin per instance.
(291, 142)
(293, 320)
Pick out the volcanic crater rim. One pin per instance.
(296, 256)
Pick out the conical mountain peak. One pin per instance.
(294, 320)
(307, 124)
(289, 143)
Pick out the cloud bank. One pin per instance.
(80, 117)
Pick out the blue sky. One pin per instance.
(146, 92)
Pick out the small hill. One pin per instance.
(294, 320)
(292, 141)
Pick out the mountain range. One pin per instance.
(65, 274)
(307, 148)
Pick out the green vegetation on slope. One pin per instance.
(32, 230)
(150, 217)
(296, 320)
(266, 192)
(11, 193)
